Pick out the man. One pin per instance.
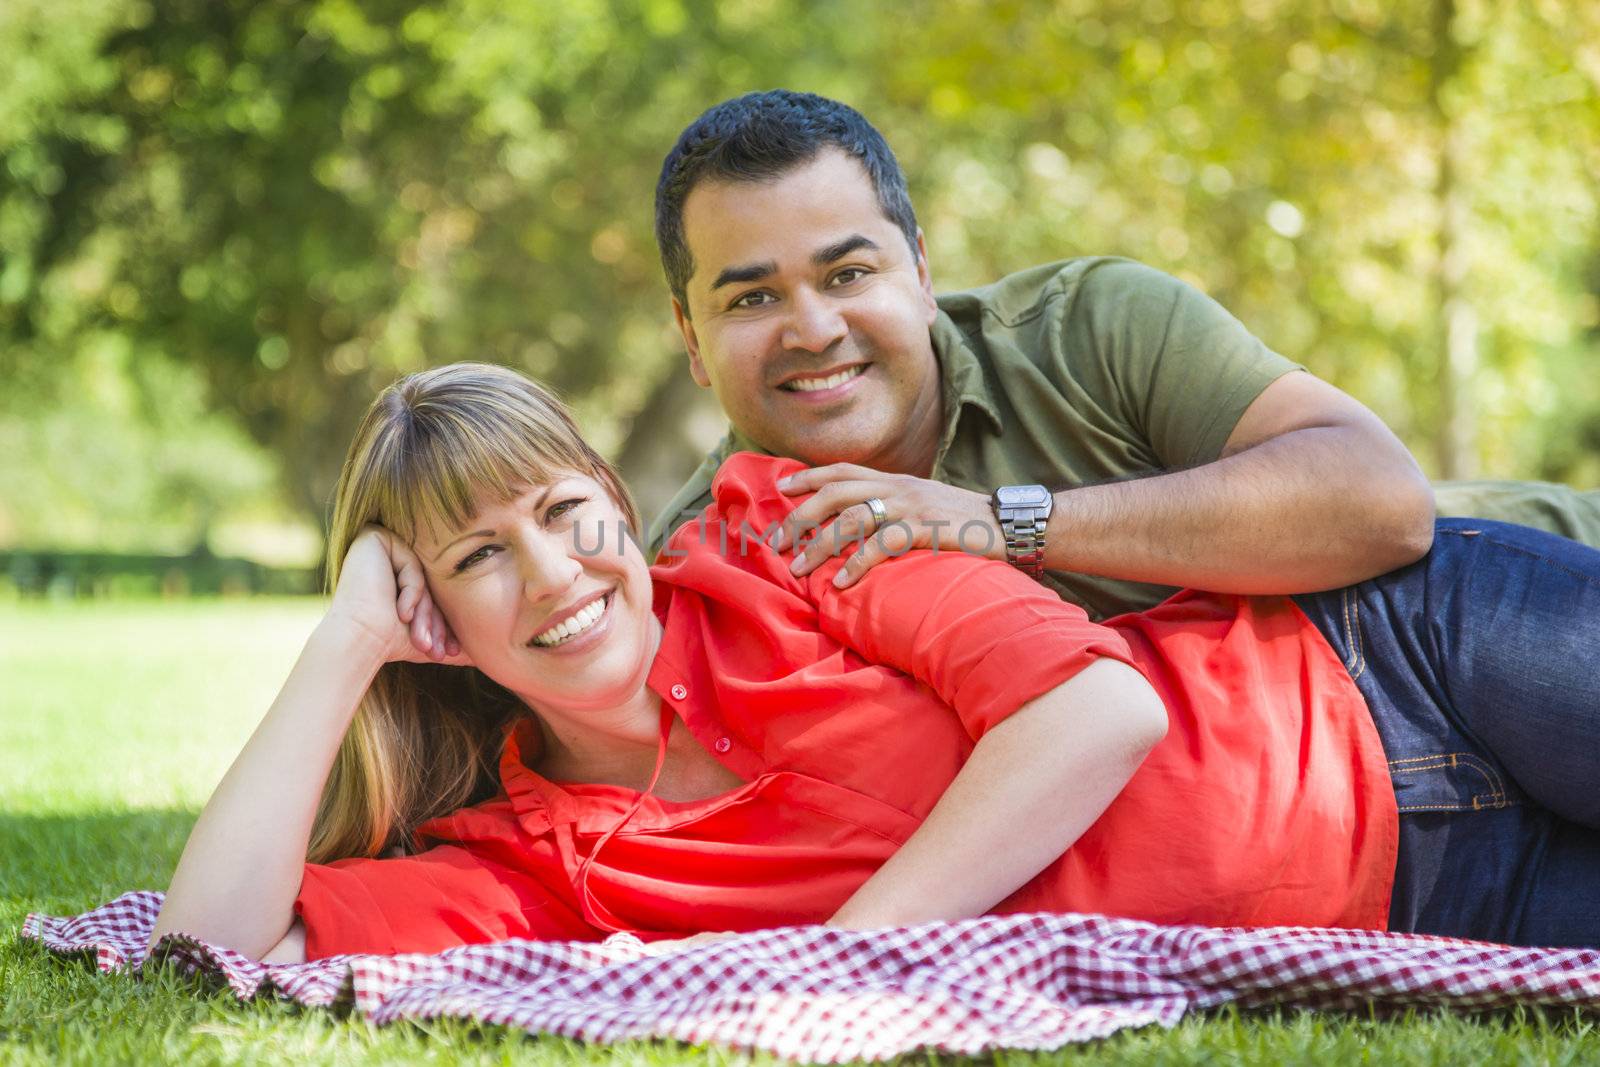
(1177, 449)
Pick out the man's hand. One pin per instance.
(918, 513)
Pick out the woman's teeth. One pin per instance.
(572, 627)
(815, 385)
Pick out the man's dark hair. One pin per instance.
(757, 137)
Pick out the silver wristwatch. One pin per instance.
(1023, 511)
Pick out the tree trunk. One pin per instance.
(1456, 318)
(669, 437)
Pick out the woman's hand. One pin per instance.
(236, 882)
(383, 592)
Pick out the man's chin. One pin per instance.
(813, 454)
(831, 441)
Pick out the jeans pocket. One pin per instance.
(1449, 781)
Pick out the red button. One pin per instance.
(679, 692)
(723, 744)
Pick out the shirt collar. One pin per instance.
(962, 382)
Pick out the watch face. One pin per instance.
(1025, 496)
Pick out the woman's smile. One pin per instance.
(564, 627)
(577, 629)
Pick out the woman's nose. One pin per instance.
(815, 322)
(549, 567)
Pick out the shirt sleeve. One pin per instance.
(429, 902)
(982, 635)
(1175, 366)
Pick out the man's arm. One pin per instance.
(1311, 492)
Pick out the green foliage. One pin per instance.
(129, 454)
(286, 203)
(104, 764)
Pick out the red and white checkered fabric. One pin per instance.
(822, 995)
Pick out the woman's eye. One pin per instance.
(473, 557)
(564, 507)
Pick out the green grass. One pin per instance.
(117, 719)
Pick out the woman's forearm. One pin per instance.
(236, 881)
(1033, 784)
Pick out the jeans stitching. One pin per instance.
(1354, 657)
(1356, 664)
(1495, 798)
(1587, 579)
(1361, 648)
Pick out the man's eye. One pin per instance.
(848, 275)
(472, 558)
(751, 300)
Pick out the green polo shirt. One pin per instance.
(1079, 372)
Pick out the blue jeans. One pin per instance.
(1481, 666)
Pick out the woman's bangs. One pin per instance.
(443, 476)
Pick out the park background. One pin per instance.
(225, 224)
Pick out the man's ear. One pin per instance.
(925, 278)
(691, 342)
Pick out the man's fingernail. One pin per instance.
(799, 561)
(783, 483)
(841, 579)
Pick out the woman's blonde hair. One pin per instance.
(426, 737)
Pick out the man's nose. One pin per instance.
(815, 323)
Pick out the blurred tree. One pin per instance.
(297, 199)
(1365, 185)
(304, 199)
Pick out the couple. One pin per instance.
(520, 736)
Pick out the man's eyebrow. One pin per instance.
(538, 505)
(752, 272)
(839, 249)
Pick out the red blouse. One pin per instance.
(847, 714)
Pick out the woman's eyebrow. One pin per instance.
(538, 505)
(463, 537)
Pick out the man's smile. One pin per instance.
(831, 383)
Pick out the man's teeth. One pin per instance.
(573, 626)
(814, 385)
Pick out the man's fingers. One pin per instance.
(806, 520)
(891, 541)
(814, 477)
(848, 531)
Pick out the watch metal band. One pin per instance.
(1025, 543)
(1023, 512)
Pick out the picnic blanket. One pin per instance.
(823, 995)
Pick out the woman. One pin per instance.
(542, 743)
